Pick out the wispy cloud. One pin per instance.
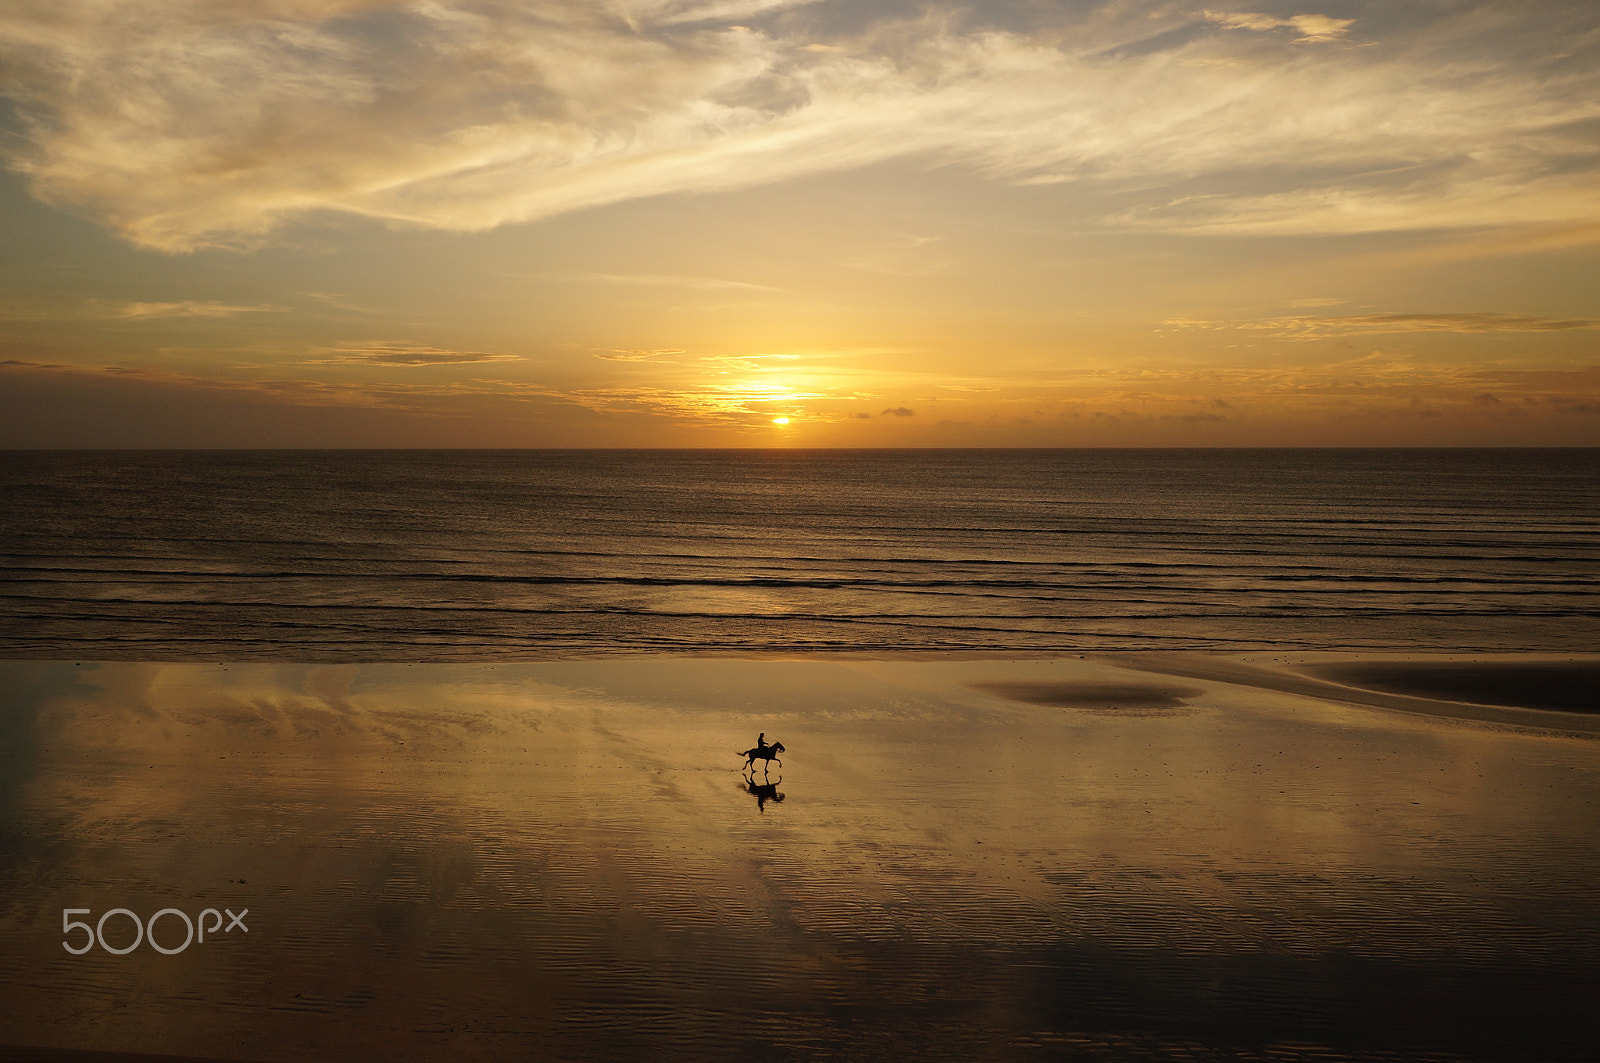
(335, 301)
(710, 406)
(404, 355)
(639, 355)
(17, 309)
(184, 308)
(753, 363)
(1371, 387)
(288, 391)
(668, 280)
(677, 13)
(1311, 28)
(24, 364)
(1311, 327)
(184, 126)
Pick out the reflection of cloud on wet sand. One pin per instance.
(439, 856)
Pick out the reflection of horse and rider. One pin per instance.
(766, 790)
(762, 751)
(763, 791)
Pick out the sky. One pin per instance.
(811, 223)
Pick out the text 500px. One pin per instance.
(141, 931)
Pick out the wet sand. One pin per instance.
(1561, 686)
(1115, 858)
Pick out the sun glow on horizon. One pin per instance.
(1005, 225)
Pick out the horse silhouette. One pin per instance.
(762, 751)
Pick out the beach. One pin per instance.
(695, 531)
(1137, 856)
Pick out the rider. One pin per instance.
(761, 740)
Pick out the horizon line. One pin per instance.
(771, 450)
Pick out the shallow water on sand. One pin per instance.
(564, 861)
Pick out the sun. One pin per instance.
(780, 420)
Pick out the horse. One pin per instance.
(763, 752)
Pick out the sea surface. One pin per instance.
(496, 555)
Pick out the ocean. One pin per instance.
(502, 555)
(457, 734)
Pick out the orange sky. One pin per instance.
(671, 222)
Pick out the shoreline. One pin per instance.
(1528, 688)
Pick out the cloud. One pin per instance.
(676, 12)
(708, 406)
(186, 308)
(755, 363)
(299, 392)
(668, 280)
(112, 310)
(184, 126)
(183, 309)
(1310, 328)
(638, 356)
(1556, 406)
(405, 354)
(900, 411)
(18, 363)
(1312, 28)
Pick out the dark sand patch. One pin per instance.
(1559, 686)
(1131, 699)
(1291, 678)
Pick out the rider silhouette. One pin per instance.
(762, 751)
